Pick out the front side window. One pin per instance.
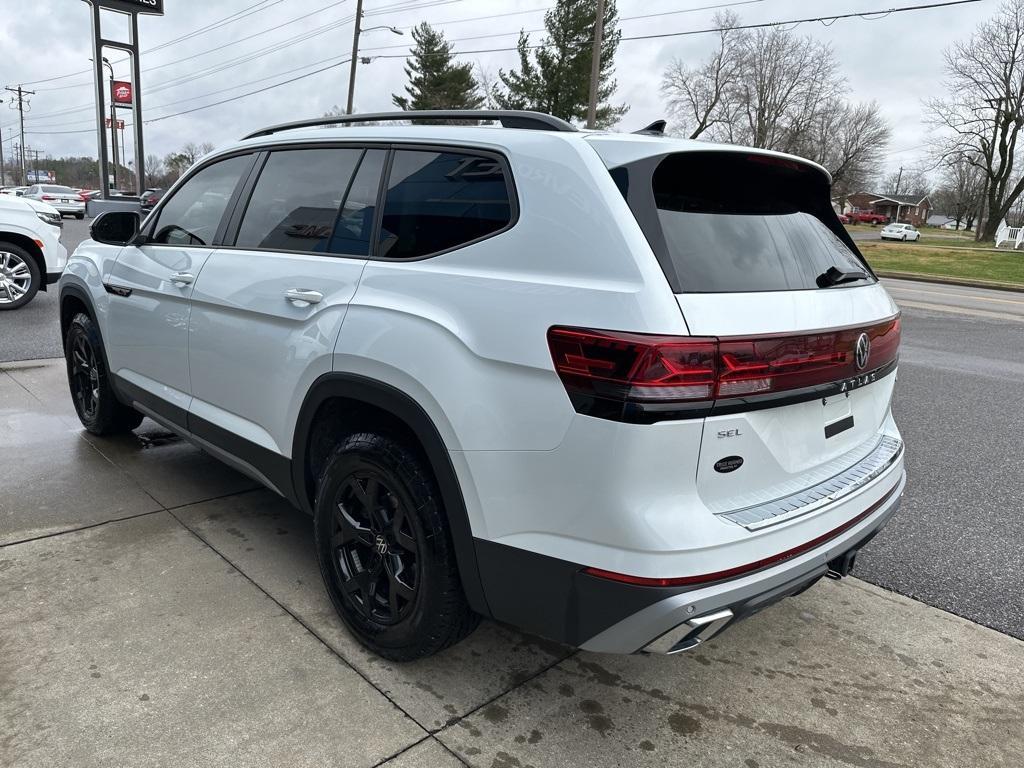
(193, 214)
(314, 200)
(437, 201)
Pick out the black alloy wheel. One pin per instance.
(375, 553)
(385, 548)
(84, 376)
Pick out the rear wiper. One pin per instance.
(835, 276)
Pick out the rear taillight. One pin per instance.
(48, 197)
(639, 377)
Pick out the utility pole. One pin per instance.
(3, 171)
(355, 56)
(595, 64)
(22, 93)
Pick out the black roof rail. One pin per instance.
(537, 121)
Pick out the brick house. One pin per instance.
(909, 209)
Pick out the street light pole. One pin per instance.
(355, 56)
(355, 52)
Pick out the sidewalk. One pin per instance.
(158, 609)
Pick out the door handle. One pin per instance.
(183, 278)
(296, 295)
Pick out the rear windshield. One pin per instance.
(732, 223)
(58, 190)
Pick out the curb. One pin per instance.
(967, 283)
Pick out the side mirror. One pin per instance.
(115, 227)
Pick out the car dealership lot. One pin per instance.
(180, 619)
(157, 608)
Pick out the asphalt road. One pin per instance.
(958, 540)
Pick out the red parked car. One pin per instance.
(844, 219)
(869, 217)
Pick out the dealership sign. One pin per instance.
(120, 124)
(151, 7)
(121, 93)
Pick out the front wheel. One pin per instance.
(97, 406)
(79, 216)
(19, 276)
(385, 549)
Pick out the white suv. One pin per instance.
(31, 254)
(618, 390)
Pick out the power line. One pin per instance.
(863, 15)
(220, 48)
(194, 33)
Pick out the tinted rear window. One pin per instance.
(734, 223)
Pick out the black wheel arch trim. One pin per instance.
(404, 408)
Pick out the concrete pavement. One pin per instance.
(155, 609)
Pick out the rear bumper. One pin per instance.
(559, 600)
(683, 621)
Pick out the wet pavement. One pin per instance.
(156, 608)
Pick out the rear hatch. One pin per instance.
(807, 340)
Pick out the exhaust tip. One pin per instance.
(690, 633)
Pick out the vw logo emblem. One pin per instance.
(381, 544)
(862, 351)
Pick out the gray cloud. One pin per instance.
(896, 60)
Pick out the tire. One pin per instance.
(79, 216)
(385, 549)
(19, 276)
(95, 402)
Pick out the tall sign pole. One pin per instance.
(123, 95)
(97, 76)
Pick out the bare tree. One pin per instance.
(487, 82)
(910, 182)
(771, 88)
(981, 121)
(696, 97)
(960, 192)
(849, 140)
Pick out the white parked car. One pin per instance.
(31, 254)
(906, 232)
(619, 390)
(64, 199)
(15, 191)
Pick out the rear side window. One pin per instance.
(193, 214)
(734, 223)
(296, 204)
(437, 201)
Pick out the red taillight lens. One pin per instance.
(626, 368)
(49, 197)
(630, 366)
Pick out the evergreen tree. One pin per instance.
(555, 77)
(435, 80)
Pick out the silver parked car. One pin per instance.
(64, 199)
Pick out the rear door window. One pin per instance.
(297, 203)
(732, 223)
(437, 201)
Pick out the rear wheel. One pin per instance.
(385, 550)
(97, 406)
(19, 276)
(79, 216)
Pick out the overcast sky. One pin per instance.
(895, 60)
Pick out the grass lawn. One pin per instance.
(1003, 266)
